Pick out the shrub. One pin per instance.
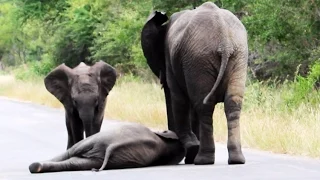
(34, 69)
(304, 89)
(43, 67)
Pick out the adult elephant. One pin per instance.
(200, 55)
(83, 91)
(121, 145)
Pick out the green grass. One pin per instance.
(267, 121)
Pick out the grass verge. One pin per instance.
(266, 123)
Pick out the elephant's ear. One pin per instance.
(106, 74)
(167, 135)
(158, 17)
(57, 82)
(152, 42)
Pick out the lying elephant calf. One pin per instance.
(121, 145)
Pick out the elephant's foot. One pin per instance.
(35, 167)
(191, 145)
(204, 158)
(236, 158)
(192, 151)
(95, 170)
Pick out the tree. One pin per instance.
(283, 32)
(171, 6)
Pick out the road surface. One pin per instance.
(31, 133)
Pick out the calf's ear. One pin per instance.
(106, 74)
(57, 82)
(167, 135)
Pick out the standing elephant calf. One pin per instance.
(121, 145)
(82, 91)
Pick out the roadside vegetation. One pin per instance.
(281, 111)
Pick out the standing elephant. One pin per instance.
(121, 145)
(82, 91)
(201, 57)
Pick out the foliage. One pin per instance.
(74, 36)
(171, 6)
(34, 70)
(118, 38)
(9, 32)
(284, 34)
(304, 89)
(46, 10)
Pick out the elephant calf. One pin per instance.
(82, 91)
(121, 145)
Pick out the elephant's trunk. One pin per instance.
(89, 129)
(87, 117)
(41, 167)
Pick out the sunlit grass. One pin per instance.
(33, 91)
(265, 122)
(138, 102)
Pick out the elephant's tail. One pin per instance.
(224, 62)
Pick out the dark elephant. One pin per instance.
(121, 145)
(201, 58)
(83, 91)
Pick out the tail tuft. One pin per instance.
(206, 99)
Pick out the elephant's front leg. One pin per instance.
(194, 122)
(92, 128)
(75, 131)
(232, 109)
(70, 137)
(183, 128)
(180, 109)
(170, 119)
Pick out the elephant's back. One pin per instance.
(203, 30)
(114, 133)
(193, 40)
(117, 132)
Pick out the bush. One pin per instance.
(24, 73)
(43, 67)
(34, 69)
(304, 89)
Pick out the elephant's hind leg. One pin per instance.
(200, 80)
(72, 164)
(109, 150)
(61, 157)
(206, 154)
(232, 107)
(232, 110)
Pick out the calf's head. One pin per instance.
(174, 151)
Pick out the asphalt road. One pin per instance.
(31, 133)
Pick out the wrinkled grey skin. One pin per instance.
(203, 55)
(82, 91)
(121, 145)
